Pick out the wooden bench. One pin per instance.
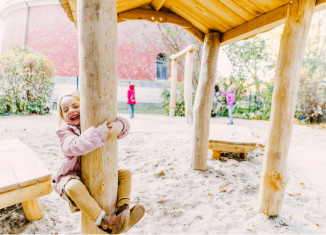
(230, 138)
(23, 178)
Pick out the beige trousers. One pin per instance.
(79, 194)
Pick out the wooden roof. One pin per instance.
(234, 19)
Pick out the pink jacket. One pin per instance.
(74, 144)
(230, 97)
(131, 95)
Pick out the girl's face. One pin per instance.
(71, 110)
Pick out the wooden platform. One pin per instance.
(23, 178)
(230, 138)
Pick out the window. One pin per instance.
(162, 73)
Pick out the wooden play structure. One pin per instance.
(229, 138)
(189, 52)
(215, 23)
(24, 178)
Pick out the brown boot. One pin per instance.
(115, 225)
(136, 213)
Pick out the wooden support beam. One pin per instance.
(188, 85)
(33, 209)
(157, 4)
(161, 17)
(173, 93)
(204, 100)
(189, 48)
(25, 193)
(274, 174)
(262, 24)
(97, 36)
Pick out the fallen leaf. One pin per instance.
(209, 194)
(173, 149)
(230, 183)
(317, 224)
(218, 208)
(301, 183)
(24, 129)
(54, 158)
(258, 136)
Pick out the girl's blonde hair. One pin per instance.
(74, 94)
(232, 88)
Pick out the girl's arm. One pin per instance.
(223, 92)
(74, 145)
(126, 127)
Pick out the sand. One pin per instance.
(177, 198)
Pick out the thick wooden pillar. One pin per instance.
(97, 35)
(173, 93)
(293, 42)
(203, 101)
(188, 86)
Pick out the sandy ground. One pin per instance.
(177, 198)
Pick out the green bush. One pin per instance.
(180, 109)
(25, 81)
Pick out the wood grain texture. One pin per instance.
(20, 166)
(286, 83)
(161, 17)
(220, 10)
(125, 5)
(157, 4)
(249, 6)
(154, 16)
(188, 86)
(262, 24)
(97, 35)
(182, 53)
(192, 17)
(216, 154)
(238, 9)
(226, 16)
(194, 10)
(173, 93)
(233, 148)
(33, 209)
(203, 101)
(25, 193)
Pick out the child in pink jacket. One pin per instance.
(131, 100)
(230, 99)
(67, 182)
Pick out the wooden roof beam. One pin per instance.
(161, 17)
(157, 4)
(262, 24)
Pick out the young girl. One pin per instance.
(131, 100)
(67, 182)
(230, 99)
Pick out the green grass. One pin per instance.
(148, 110)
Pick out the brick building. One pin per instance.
(43, 26)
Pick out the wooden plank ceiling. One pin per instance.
(232, 18)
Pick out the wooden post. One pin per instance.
(97, 35)
(203, 101)
(292, 48)
(33, 209)
(188, 85)
(174, 77)
(216, 154)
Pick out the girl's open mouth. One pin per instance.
(75, 117)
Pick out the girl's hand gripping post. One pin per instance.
(115, 128)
